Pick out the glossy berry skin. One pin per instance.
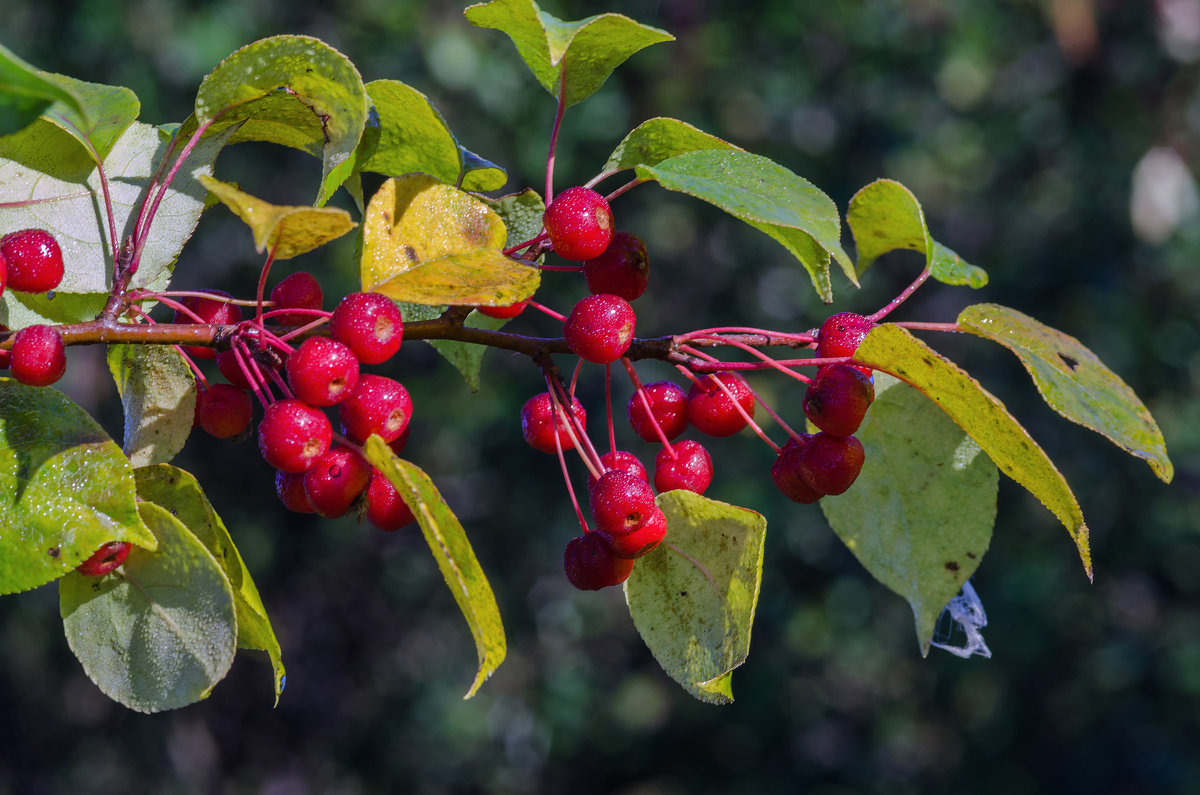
(385, 509)
(600, 328)
(293, 434)
(376, 405)
(711, 411)
(227, 363)
(579, 223)
(668, 404)
(3, 272)
(370, 324)
(690, 468)
(591, 565)
(503, 312)
(841, 334)
(38, 356)
(621, 502)
(289, 487)
(32, 259)
(642, 540)
(322, 371)
(831, 464)
(300, 290)
(623, 269)
(105, 559)
(210, 312)
(838, 398)
(787, 474)
(335, 480)
(624, 461)
(540, 426)
(223, 410)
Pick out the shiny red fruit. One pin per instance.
(335, 480)
(385, 509)
(224, 410)
(376, 405)
(579, 223)
(623, 269)
(322, 371)
(33, 261)
(370, 324)
(540, 425)
(710, 409)
(600, 328)
(38, 356)
(686, 465)
(838, 398)
(591, 565)
(668, 405)
(293, 434)
(300, 290)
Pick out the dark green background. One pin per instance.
(1019, 134)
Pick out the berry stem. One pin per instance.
(645, 400)
(718, 336)
(544, 309)
(767, 360)
(508, 252)
(895, 302)
(612, 434)
(144, 231)
(628, 186)
(262, 282)
(562, 464)
(558, 117)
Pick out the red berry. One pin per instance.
(623, 269)
(227, 363)
(3, 272)
(591, 565)
(224, 411)
(621, 502)
(624, 461)
(600, 328)
(642, 540)
(335, 480)
(292, 435)
(838, 398)
(689, 468)
(503, 312)
(385, 509)
(710, 409)
(38, 356)
(539, 424)
(5, 356)
(787, 474)
(376, 405)
(831, 463)
(668, 405)
(210, 311)
(33, 260)
(105, 559)
(579, 223)
(322, 371)
(841, 334)
(289, 487)
(300, 290)
(370, 324)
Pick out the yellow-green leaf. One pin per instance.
(425, 242)
(693, 599)
(455, 558)
(158, 395)
(979, 413)
(290, 231)
(1074, 382)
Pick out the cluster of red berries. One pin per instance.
(295, 436)
(813, 465)
(31, 262)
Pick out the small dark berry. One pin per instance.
(300, 290)
(623, 269)
(224, 410)
(385, 508)
(591, 565)
(838, 398)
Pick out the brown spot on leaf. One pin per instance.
(1068, 361)
(411, 253)
(971, 555)
(952, 565)
(54, 552)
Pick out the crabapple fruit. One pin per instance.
(579, 224)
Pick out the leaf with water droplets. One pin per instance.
(158, 395)
(654, 140)
(159, 632)
(288, 231)
(65, 488)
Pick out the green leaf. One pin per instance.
(920, 515)
(46, 169)
(480, 174)
(885, 216)
(179, 493)
(466, 357)
(288, 231)
(590, 49)
(159, 632)
(693, 599)
(1074, 382)
(767, 196)
(158, 394)
(979, 413)
(425, 242)
(65, 488)
(453, 553)
(655, 140)
(103, 113)
(25, 93)
(295, 91)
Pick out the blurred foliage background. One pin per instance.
(1052, 142)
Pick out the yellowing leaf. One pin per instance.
(429, 243)
(1074, 382)
(291, 231)
(979, 413)
(455, 558)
